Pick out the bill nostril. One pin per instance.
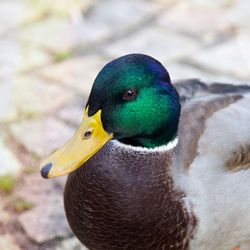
(45, 170)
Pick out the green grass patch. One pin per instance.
(19, 204)
(7, 183)
(62, 55)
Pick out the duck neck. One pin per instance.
(159, 138)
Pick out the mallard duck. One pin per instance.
(145, 174)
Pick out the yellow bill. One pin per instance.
(87, 140)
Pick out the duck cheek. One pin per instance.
(121, 120)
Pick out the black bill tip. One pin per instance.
(45, 170)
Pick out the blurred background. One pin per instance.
(50, 53)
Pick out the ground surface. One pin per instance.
(49, 56)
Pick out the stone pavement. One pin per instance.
(50, 53)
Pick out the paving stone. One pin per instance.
(110, 18)
(155, 41)
(231, 57)
(34, 96)
(4, 216)
(207, 24)
(9, 163)
(29, 96)
(239, 13)
(115, 13)
(61, 7)
(39, 191)
(71, 244)
(45, 222)
(78, 73)
(19, 11)
(7, 242)
(8, 110)
(245, 246)
(213, 3)
(97, 25)
(41, 136)
(166, 1)
(179, 71)
(16, 56)
(59, 31)
(73, 113)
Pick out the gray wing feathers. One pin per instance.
(199, 103)
(193, 121)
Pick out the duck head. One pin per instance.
(132, 100)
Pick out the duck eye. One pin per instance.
(130, 94)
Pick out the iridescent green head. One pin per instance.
(138, 102)
(132, 100)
